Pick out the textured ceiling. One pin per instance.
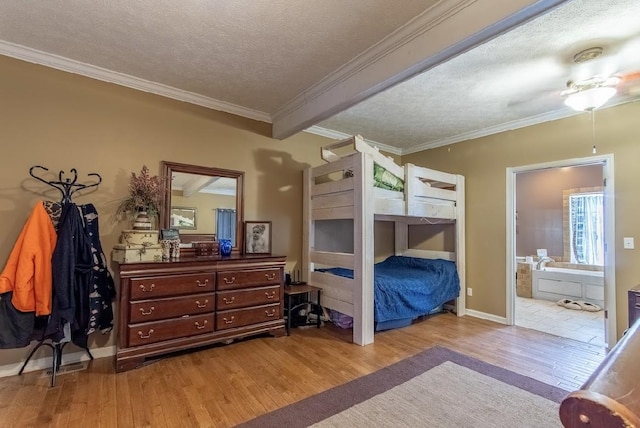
(257, 54)
(254, 57)
(510, 81)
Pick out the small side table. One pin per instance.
(306, 290)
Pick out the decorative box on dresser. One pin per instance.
(171, 306)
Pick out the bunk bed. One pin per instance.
(360, 185)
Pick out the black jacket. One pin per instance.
(72, 276)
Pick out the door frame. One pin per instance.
(610, 319)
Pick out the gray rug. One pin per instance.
(436, 388)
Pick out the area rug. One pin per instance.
(436, 388)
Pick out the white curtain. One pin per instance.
(587, 233)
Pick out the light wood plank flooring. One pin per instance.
(224, 385)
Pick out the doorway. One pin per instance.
(546, 231)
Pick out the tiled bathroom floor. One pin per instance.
(549, 317)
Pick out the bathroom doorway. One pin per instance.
(559, 218)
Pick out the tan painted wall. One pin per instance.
(484, 162)
(63, 121)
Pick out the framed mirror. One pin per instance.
(215, 194)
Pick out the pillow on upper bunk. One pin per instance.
(385, 180)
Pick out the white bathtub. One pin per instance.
(596, 273)
(552, 283)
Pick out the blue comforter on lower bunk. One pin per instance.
(408, 287)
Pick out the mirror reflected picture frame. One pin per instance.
(183, 218)
(169, 169)
(257, 236)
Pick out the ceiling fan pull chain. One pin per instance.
(593, 130)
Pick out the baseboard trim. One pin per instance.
(486, 316)
(46, 362)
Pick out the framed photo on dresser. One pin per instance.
(257, 237)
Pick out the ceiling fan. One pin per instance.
(594, 82)
(591, 93)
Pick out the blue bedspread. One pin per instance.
(407, 287)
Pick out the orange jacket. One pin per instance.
(28, 269)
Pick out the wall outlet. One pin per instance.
(469, 291)
(628, 243)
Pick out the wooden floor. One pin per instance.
(224, 385)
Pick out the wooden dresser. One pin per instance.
(176, 305)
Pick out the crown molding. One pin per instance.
(71, 66)
(417, 26)
(337, 135)
(509, 126)
(447, 29)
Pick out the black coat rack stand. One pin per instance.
(57, 357)
(67, 187)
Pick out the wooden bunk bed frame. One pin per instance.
(429, 196)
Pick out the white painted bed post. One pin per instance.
(307, 224)
(363, 249)
(461, 307)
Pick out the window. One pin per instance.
(586, 228)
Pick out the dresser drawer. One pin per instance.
(250, 297)
(151, 332)
(152, 287)
(242, 317)
(230, 280)
(634, 297)
(171, 307)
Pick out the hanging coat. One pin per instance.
(25, 282)
(72, 275)
(28, 270)
(102, 287)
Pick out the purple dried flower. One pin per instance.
(145, 194)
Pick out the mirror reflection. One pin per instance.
(203, 203)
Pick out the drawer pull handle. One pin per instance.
(145, 336)
(270, 276)
(202, 305)
(202, 284)
(229, 281)
(200, 327)
(270, 295)
(228, 301)
(144, 288)
(151, 309)
(229, 321)
(270, 314)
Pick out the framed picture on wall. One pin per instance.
(183, 218)
(257, 237)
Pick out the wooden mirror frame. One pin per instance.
(168, 168)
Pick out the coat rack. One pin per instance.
(67, 187)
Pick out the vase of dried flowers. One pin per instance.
(145, 198)
(142, 221)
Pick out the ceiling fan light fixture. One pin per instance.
(590, 99)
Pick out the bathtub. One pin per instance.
(554, 283)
